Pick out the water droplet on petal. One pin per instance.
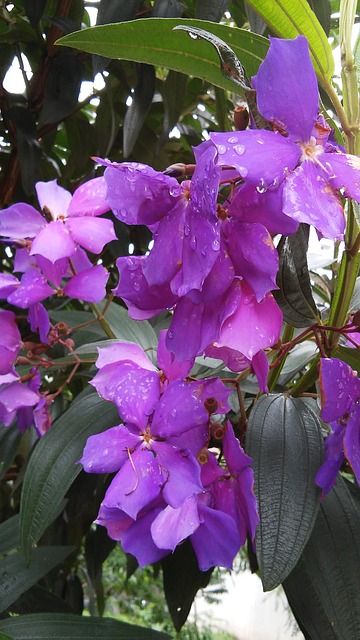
(239, 149)
(233, 139)
(262, 186)
(173, 412)
(187, 229)
(170, 334)
(204, 251)
(215, 245)
(136, 286)
(174, 190)
(243, 171)
(193, 242)
(221, 148)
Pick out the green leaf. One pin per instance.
(324, 587)
(299, 356)
(284, 440)
(61, 626)
(182, 580)
(288, 19)
(294, 296)
(9, 442)
(322, 10)
(125, 328)
(9, 534)
(16, 577)
(52, 466)
(67, 626)
(153, 41)
(140, 105)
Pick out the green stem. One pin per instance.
(100, 316)
(275, 372)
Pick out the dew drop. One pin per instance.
(187, 229)
(173, 412)
(136, 286)
(204, 251)
(221, 148)
(239, 149)
(243, 171)
(233, 139)
(215, 245)
(262, 186)
(193, 243)
(174, 190)
(170, 334)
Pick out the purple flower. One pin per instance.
(295, 168)
(67, 221)
(10, 341)
(340, 400)
(14, 396)
(155, 450)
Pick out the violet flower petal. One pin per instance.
(39, 320)
(308, 197)
(20, 221)
(168, 363)
(89, 199)
(333, 459)
(55, 198)
(120, 351)
(217, 541)
(178, 411)
(90, 232)
(344, 173)
(53, 242)
(114, 520)
(352, 441)
(182, 473)
(88, 285)
(172, 526)
(106, 452)
(288, 61)
(339, 386)
(32, 289)
(138, 541)
(10, 341)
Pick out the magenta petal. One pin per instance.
(234, 360)
(339, 386)
(89, 199)
(169, 364)
(53, 242)
(121, 351)
(138, 483)
(16, 395)
(139, 195)
(249, 205)
(308, 197)
(260, 365)
(343, 173)
(10, 341)
(20, 221)
(334, 456)
(32, 289)
(245, 242)
(172, 526)
(39, 320)
(261, 157)
(134, 289)
(8, 284)
(215, 389)
(182, 473)
(138, 541)
(178, 411)
(134, 390)
(217, 541)
(253, 326)
(352, 441)
(288, 61)
(53, 197)
(115, 521)
(90, 232)
(88, 285)
(106, 452)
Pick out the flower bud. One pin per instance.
(217, 430)
(241, 117)
(203, 455)
(211, 404)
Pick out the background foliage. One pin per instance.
(138, 109)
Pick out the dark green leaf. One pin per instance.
(66, 627)
(129, 330)
(153, 41)
(324, 587)
(16, 576)
(111, 11)
(296, 360)
(294, 295)
(212, 10)
(173, 92)
(355, 298)
(52, 466)
(62, 87)
(284, 440)
(39, 600)
(167, 9)
(257, 24)
(141, 102)
(182, 580)
(9, 534)
(28, 147)
(9, 443)
(34, 10)
(322, 10)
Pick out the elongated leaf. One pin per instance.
(153, 41)
(52, 466)
(173, 93)
(141, 102)
(297, 359)
(294, 295)
(16, 577)
(62, 87)
(322, 10)
(34, 10)
(350, 355)
(29, 150)
(323, 588)
(9, 442)
(182, 580)
(61, 626)
(285, 443)
(129, 330)
(211, 9)
(9, 534)
(288, 19)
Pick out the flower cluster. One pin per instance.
(168, 485)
